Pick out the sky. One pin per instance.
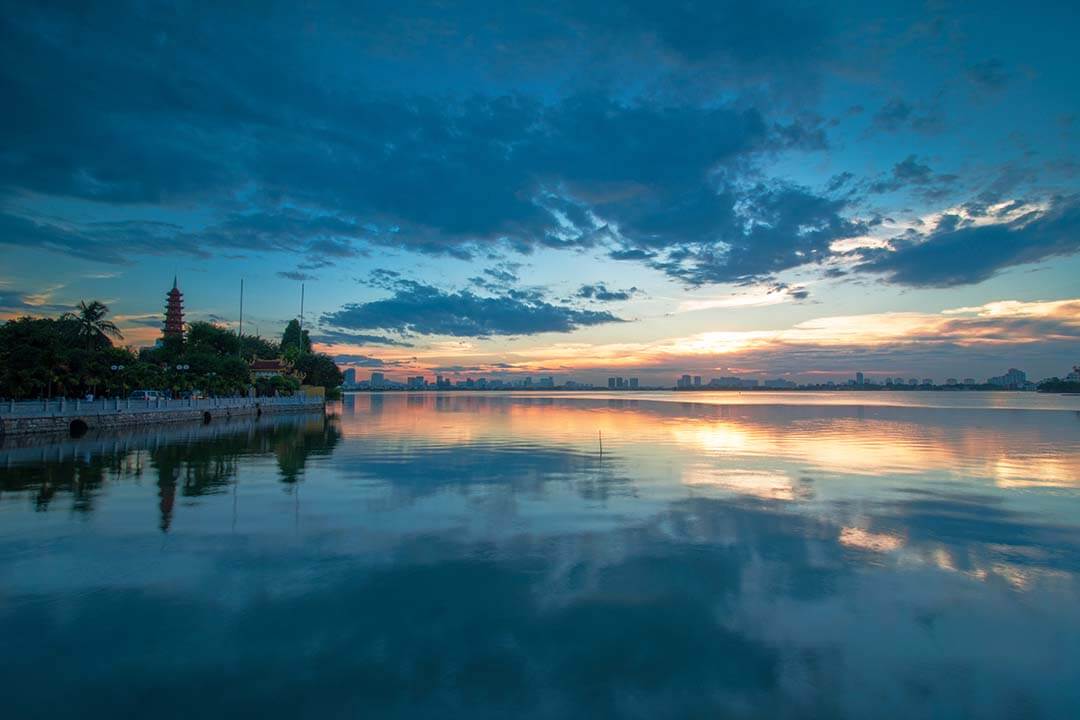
(578, 189)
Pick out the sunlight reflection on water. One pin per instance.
(478, 554)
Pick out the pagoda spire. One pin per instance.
(174, 312)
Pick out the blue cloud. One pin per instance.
(106, 242)
(953, 255)
(601, 292)
(333, 337)
(988, 75)
(911, 172)
(295, 275)
(416, 308)
(23, 302)
(898, 114)
(499, 278)
(297, 159)
(625, 128)
(361, 361)
(767, 229)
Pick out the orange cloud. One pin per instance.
(996, 324)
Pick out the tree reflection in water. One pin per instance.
(474, 556)
(194, 461)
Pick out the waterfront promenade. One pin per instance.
(63, 415)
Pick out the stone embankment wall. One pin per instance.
(68, 423)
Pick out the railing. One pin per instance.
(66, 407)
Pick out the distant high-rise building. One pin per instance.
(1012, 379)
(927, 381)
(350, 376)
(913, 381)
(731, 382)
(611, 382)
(633, 383)
(547, 382)
(377, 380)
(969, 381)
(684, 382)
(697, 381)
(859, 379)
(951, 381)
(888, 381)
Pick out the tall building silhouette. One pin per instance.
(174, 312)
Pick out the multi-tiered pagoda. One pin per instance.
(174, 312)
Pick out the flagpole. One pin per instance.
(240, 331)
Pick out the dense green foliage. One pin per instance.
(45, 358)
(75, 355)
(315, 368)
(295, 341)
(1057, 385)
(319, 369)
(90, 324)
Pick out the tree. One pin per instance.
(295, 339)
(276, 386)
(211, 338)
(319, 369)
(31, 349)
(1057, 385)
(253, 346)
(92, 326)
(73, 355)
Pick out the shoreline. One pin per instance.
(41, 447)
(76, 418)
(1007, 400)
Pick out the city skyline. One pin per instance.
(799, 193)
(1012, 379)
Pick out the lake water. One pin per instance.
(478, 555)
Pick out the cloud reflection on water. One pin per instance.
(1011, 448)
(477, 555)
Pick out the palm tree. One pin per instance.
(91, 323)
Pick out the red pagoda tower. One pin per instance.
(174, 312)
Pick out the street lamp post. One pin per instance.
(181, 368)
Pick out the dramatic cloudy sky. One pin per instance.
(574, 188)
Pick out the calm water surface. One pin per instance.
(477, 555)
